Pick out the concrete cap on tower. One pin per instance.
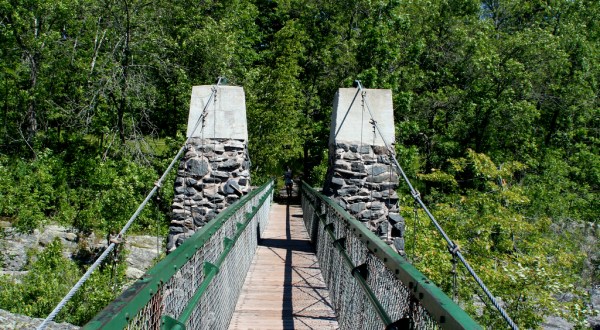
(225, 113)
(351, 121)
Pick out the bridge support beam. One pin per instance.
(215, 171)
(360, 174)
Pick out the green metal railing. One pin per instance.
(370, 285)
(198, 284)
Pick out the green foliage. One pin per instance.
(495, 102)
(50, 277)
(522, 259)
(30, 190)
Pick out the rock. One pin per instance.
(390, 185)
(342, 146)
(191, 154)
(556, 322)
(594, 322)
(377, 169)
(211, 215)
(133, 273)
(229, 165)
(170, 241)
(351, 156)
(17, 276)
(207, 204)
(197, 198)
(178, 216)
(215, 198)
(219, 148)
(364, 149)
(398, 243)
(212, 180)
(382, 229)
(395, 218)
(364, 192)
(342, 164)
(176, 229)
(234, 145)
(191, 181)
(201, 211)
(232, 198)
(376, 206)
(190, 191)
(348, 191)
(354, 199)
(386, 179)
(380, 150)
(179, 182)
(357, 167)
(198, 167)
(595, 296)
(15, 321)
(220, 175)
(372, 186)
(349, 174)
(369, 159)
(357, 207)
(232, 187)
(360, 148)
(337, 183)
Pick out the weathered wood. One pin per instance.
(284, 288)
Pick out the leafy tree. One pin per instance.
(482, 207)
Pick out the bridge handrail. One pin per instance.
(198, 260)
(425, 305)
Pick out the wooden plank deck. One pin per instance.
(284, 288)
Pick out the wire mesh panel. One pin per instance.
(198, 284)
(370, 285)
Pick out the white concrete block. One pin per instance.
(226, 113)
(350, 119)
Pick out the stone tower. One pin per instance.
(215, 170)
(361, 175)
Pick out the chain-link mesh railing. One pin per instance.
(370, 285)
(198, 284)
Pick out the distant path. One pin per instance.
(284, 288)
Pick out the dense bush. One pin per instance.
(50, 277)
(89, 194)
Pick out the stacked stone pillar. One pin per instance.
(214, 171)
(361, 176)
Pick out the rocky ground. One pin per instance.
(15, 321)
(142, 252)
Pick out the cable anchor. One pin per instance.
(116, 239)
(453, 249)
(415, 194)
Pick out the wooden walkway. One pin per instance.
(284, 288)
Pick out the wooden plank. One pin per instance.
(284, 288)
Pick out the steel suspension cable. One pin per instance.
(452, 247)
(112, 245)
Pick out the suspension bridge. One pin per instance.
(241, 261)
